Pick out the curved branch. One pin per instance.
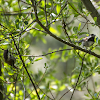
(57, 38)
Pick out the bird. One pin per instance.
(87, 41)
(9, 59)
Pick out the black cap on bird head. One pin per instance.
(92, 35)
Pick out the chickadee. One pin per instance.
(87, 41)
(9, 59)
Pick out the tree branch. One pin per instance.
(90, 7)
(77, 79)
(26, 69)
(57, 38)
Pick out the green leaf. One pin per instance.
(45, 64)
(44, 40)
(31, 58)
(99, 42)
(26, 22)
(31, 15)
(79, 26)
(41, 13)
(54, 56)
(21, 92)
(83, 33)
(53, 30)
(38, 59)
(95, 19)
(80, 6)
(11, 73)
(62, 87)
(27, 1)
(43, 3)
(75, 29)
(58, 9)
(59, 28)
(48, 5)
(1, 77)
(27, 46)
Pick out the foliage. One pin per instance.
(66, 68)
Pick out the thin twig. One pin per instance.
(52, 94)
(77, 80)
(41, 80)
(26, 68)
(41, 91)
(65, 31)
(19, 32)
(83, 27)
(59, 13)
(57, 38)
(93, 84)
(46, 53)
(73, 87)
(46, 14)
(89, 91)
(4, 94)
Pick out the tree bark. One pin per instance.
(93, 11)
